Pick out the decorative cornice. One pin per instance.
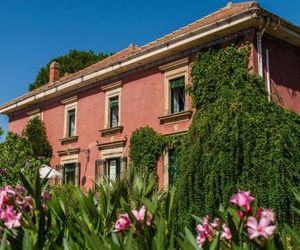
(70, 100)
(71, 151)
(109, 145)
(174, 65)
(33, 112)
(112, 86)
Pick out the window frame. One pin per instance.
(112, 91)
(110, 111)
(118, 167)
(71, 131)
(167, 167)
(69, 105)
(171, 105)
(171, 71)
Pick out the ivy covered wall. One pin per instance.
(238, 141)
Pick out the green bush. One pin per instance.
(146, 146)
(237, 140)
(35, 132)
(16, 156)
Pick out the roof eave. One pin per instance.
(247, 18)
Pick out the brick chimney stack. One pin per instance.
(54, 72)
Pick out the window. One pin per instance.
(71, 173)
(172, 165)
(113, 168)
(70, 117)
(177, 87)
(114, 112)
(71, 123)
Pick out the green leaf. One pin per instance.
(295, 236)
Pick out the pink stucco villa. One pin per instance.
(91, 114)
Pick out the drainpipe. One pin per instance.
(259, 51)
(260, 59)
(268, 75)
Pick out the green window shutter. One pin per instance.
(177, 83)
(118, 170)
(98, 164)
(63, 174)
(78, 168)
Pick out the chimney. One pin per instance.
(54, 72)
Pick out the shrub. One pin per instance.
(35, 132)
(146, 146)
(16, 156)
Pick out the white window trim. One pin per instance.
(69, 159)
(70, 104)
(112, 90)
(112, 153)
(172, 71)
(36, 113)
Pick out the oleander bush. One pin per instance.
(35, 216)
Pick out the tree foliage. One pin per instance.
(74, 61)
(35, 132)
(146, 146)
(237, 140)
(16, 156)
(1, 132)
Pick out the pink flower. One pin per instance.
(242, 199)
(264, 228)
(20, 189)
(226, 234)
(215, 223)
(200, 240)
(240, 214)
(268, 214)
(123, 223)
(27, 203)
(5, 194)
(140, 215)
(10, 217)
(45, 196)
(206, 230)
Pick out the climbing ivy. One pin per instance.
(238, 140)
(146, 146)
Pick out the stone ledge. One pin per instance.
(111, 131)
(181, 116)
(70, 139)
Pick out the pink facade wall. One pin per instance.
(142, 102)
(284, 71)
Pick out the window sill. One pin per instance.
(180, 116)
(70, 139)
(111, 131)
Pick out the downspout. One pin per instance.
(259, 51)
(260, 59)
(268, 75)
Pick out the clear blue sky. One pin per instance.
(34, 31)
